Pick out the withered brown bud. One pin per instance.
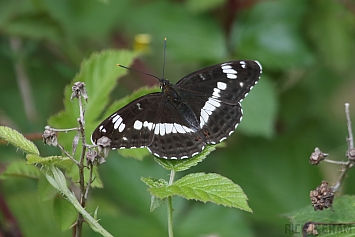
(351, 154)
(49, 137)
(322, 197)
(79, 90)
(90, 155)
(93, 157)
(103, 146)
(317, 156)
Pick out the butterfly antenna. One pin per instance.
(144, 73)
(164, 58)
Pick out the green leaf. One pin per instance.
(99, 73)
(63, 162)
(21, 169)
(64, 213)
(155, 183)
(184, 164)
(38, 26)
(58, 181)
(270, 33)
(343, 212)
(18, 140)
(45, 189)
(205, 188)
(155, 202)
(260, 110)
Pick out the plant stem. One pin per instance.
(169, 205)
(83, 188)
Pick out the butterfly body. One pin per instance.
(176, 123)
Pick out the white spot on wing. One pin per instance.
(156, 130)
(162, 129)
(148, 125)
(121, 127)
(137, 125)
(221, 85)
(232, 76)
(216, 92)
(139, 106)
(168, 128)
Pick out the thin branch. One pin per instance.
(341, 177)
(83, 189)
(67, 154)
(350, 139)
(349, 164)
(336, 162)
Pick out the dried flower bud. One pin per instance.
(317, 156)
(79, 90)
(322, 197)
(91, 155)
(351, 154)
(49, 137)
(103, 146)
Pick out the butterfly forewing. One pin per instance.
(202, 108)
(121, 126)
(230, 82)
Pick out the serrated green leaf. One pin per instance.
(343, 212)
(155, 202)
(155, 183)
(58, 181)
(64, 213)
(20, 169)
(184, 164)
(63, 162)
(205, 188)
(45, 189)
(99, 73)
(18, 140)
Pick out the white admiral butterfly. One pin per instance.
(176, 123)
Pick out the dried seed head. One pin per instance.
(79, 90)
(90, 155)
(103, 146)
(322, 197)
(317, 156)
(93, 157)
(49, 137)
(351, 154)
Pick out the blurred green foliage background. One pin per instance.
(306, 48)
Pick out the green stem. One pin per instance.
(169, 205)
